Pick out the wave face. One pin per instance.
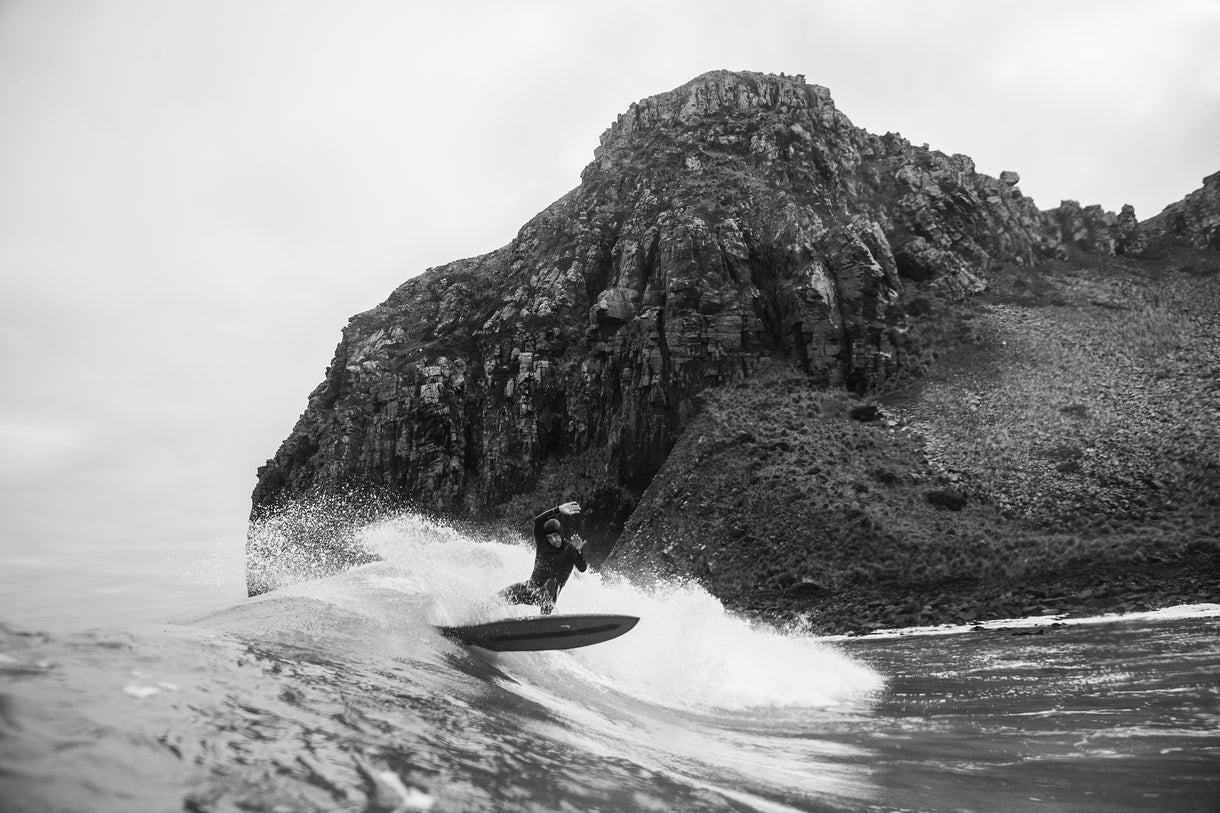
(338, 694)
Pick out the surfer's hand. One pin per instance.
(577, 542)
(569, 508)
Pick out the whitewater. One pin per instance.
(337, 693)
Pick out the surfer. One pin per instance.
(556, 551)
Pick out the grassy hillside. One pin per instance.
(1055, 448)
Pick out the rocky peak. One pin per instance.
(718, 92)
(736, 220)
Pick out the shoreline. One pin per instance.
(864, 609)
(1039, 625)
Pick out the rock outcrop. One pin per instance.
(1093, 230)
(1129, 237)
(1060, 448)
(1195, 220)
(737, 220)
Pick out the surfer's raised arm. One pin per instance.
(568, 509)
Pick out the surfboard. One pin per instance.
(542, 632)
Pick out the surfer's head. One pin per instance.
(554, 532)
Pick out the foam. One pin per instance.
(1180, 612)
(686, 651)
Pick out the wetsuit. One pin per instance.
(552, 567)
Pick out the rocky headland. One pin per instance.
(832, 376)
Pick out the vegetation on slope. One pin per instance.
(1058, 452)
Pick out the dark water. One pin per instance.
(338, 695)
(1122, 715)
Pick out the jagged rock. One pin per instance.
(1094, 230)
(1128, 236)
(738, 218)
(1195, 220)
(1088, 228)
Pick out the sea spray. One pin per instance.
(687, 651)
(309, 537)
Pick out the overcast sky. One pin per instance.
(195, 195)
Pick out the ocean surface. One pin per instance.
(175, 693)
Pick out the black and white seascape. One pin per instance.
(877, 340)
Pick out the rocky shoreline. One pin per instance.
(865, 609)
(1055, 459)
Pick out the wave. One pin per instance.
(687, 651)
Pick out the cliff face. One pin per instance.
(1059, 455)
(736, 220)
(1195, 220)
